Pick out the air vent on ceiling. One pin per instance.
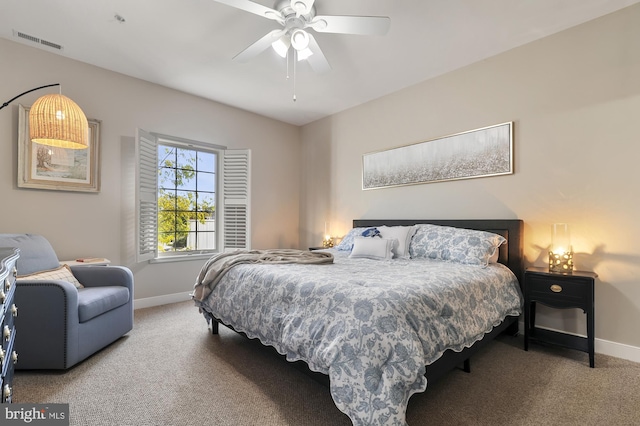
(37, 40)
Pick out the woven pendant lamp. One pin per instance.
(56, 120)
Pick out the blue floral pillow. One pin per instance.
(346, 244)
(450, 244)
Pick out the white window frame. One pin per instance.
(233, 195)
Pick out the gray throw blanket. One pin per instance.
(215, 268)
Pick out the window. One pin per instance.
(186, 199)
(192, 197)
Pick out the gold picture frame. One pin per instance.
(58, 169)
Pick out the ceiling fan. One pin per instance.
(297, 17)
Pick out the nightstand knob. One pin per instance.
(15, 271)
(556, 288)
(14, 310)
(6, 391)
(2, 296)
(1, 355)
(14, 357)
(7, 284)
(6, 332)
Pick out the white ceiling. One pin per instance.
(188, 45)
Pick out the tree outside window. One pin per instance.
(186, 199)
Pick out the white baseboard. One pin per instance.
(149, 302)
(618, 350)
(606, 347)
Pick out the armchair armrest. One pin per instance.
(47, 292)
(47, 320)
(47, 296)
(100, 276)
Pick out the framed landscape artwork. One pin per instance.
(61, 169)
(476, 153)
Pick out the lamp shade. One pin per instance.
(561, 252)
(300, 39)
(56, 120)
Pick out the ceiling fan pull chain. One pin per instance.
(295, 54)
(287, 58)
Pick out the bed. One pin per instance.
(401, 303)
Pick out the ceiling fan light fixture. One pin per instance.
(300, 40)
(304, 54)
(281, 46)
(300, 7)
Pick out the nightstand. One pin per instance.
(561, 291)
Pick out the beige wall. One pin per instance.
(574, 99)
(101, 225)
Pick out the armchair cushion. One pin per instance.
(96, 301)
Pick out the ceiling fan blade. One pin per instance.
(254, 8)
(259, 46)
(363, 25)
(317, 61)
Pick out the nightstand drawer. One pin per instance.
(563, 291)
(559, 292)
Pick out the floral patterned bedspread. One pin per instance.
(372, 326)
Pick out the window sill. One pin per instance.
(182, 258)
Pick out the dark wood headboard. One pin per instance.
(511, 252)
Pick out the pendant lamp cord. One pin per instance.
(28, 91)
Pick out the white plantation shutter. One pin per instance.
(232, 211)
(146, 196)
(235, 196)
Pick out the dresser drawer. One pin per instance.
(7, 387)
(8, 333)
(8, 312)
(559, 291)
(8, 357)
(7, 286)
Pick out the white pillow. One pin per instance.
(372, 248)
(402, 234)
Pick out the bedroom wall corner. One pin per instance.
(100, 225)
(316, 181)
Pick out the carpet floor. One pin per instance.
(169, 370)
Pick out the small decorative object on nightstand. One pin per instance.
(561, 252)
(327, 241)
(562, 291)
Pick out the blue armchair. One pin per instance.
(58, 324)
